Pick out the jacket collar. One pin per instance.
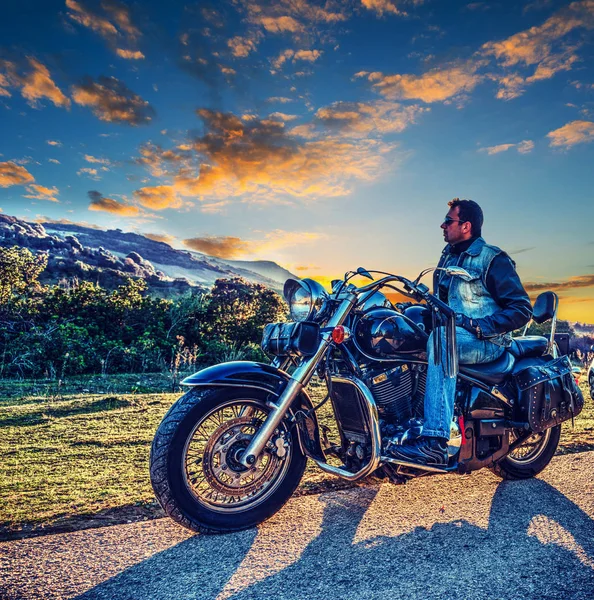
(473, 250)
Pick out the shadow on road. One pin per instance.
(538, 544)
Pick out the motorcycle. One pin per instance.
(231, 451)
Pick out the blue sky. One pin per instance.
(321, 135)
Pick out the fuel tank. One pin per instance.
(385, 334)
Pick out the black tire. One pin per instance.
(540, 449)
(187, 503)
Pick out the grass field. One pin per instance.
(78, 453)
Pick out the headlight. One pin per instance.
(305, 298)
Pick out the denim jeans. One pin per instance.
(440, 391)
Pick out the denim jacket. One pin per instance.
(496, 317)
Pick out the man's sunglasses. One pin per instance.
(448, 221)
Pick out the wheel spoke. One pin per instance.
(211, 457)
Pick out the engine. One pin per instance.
(399, 391)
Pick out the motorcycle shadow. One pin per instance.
(537, 544)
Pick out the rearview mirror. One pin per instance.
(364, 272)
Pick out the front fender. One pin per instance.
(265, 377)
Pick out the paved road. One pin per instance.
(441, 537)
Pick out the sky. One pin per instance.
(321, 135)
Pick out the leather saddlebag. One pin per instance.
(548, 394)
(283, 339)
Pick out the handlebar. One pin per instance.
(419, 291)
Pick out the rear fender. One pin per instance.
(260, 376)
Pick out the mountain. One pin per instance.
(109, 256)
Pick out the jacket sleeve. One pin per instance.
(507, 290)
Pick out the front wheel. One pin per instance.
(531, 457)
(195, 465)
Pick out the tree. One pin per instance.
(19, 272)
(238, 310)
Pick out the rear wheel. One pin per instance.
(195, 463)
(530, 458)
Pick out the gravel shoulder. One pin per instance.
(447, 537)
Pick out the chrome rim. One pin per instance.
(210, 460)
(531, 449)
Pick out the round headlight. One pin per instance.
(305, 298)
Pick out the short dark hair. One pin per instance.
(469, 210)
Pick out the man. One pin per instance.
(488, 307)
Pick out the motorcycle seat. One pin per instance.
(528, 345)
(493, 372)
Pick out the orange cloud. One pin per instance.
(259, 158)
(36, 84)
(523, 147)
(437, 85)
(39, 192)
(579, 281)
(242, 46)
(53, 142)
(114, 28)
(280, 24)
(130, 54)
(161, 237)
(363, 118)
(545, 46)
(95, 160)
(158, 197)
(13, 174)
(110, 100)
(102, 203)
(221, 247)
(233, 247)
(576, 132)
(381, 7)
(83, 16)
(91, 173)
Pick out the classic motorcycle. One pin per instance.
(231, 451)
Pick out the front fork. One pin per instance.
(299, 379)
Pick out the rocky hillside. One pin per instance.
(109, 256)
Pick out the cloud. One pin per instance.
(53, 160)
(54, 143)
(130, 54)
(91, 173)
(221, 247)
(114, 25)
(260, 160)
(579, 281)
(95, 160)
(13, 174)
(233, 247)
(436, 85)
(162, 162)
(241, 46)
(280, 99)
(161, 237)
(576, 132)
(523, 147)
(382, 7)
(39, 192)
(362, 118)
(44, 219)
(545, 47)
(158, 197)
(102, 203)
(295, 55)
(35, 84)
(280, 24)
(282, 116)
(110, 100)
